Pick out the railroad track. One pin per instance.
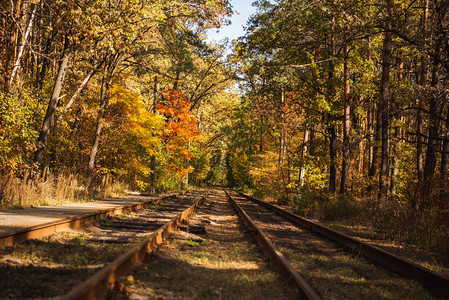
(74, 222)
(213, 257)
(335, 268)
(83, 264)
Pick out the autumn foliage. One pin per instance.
(180, 129)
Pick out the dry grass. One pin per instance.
(42, 269)
(341, 276)
(415, 220)
(47, 188)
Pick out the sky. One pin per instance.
(234, 30)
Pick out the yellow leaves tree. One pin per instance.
(132, 134)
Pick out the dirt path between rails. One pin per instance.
(214, 259)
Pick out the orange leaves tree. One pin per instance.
(180, 130)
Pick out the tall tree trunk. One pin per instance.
(52, 105)
(108, 77)
(77, 93)
(302, 170)
(330, 123)
(370, 129)
(376, 115)
(346, 122)
(186, 182)
(445, 154)
(10, 47)
(22, 46)
(153, 157)
(333, 159)
(312, 140)
(419, 141)
(434, 123)
(422, 82)
(362, 130)
(396, 142)
(283, 160)
(385, 106)
(373, 135)
(38, 43)
(394, 162)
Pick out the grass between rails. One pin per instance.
(183, 271)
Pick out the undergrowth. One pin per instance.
(418, 216)
(47, 188)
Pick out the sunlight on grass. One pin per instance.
(347, 278)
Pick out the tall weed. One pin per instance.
(417, 218)
(47, 188)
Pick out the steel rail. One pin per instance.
(429, 278)
(41, 230)
(106, 277)
(273, 252)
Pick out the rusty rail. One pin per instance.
(38, 231)
(106, 277)
(273, 252)
(429, 278)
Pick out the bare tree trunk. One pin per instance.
(39, 32)
(445, 154)
(419, 141)
(312, 140)
(283, 159)
(333, 159)
(394, 163)
(434, 123)
(422, 82)
(385, 106)
(396, 142)
(373, 136)
(432, 144)
(431, 157)
(370, 129)
(363, 129)
(22, 46)
(186, 182)
(10, 47)
(51, 109)
(153, 157)
(302, 170)
(375, 149)
(346, 122)
(331, 125)
(77, 93)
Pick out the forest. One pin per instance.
(338, 108)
